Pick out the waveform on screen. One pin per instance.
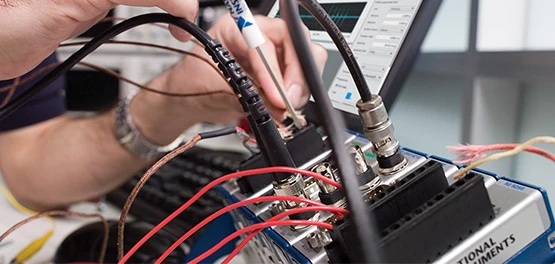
(345, 16)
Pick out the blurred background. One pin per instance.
(486, 75)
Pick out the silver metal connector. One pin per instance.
(319, 238)
(368, 179)
(325, 169)
(312, 189)
(358, 156)
(292, 186)
(378, 128)
(295, 186)
(328, 193)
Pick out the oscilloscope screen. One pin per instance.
(345, 16)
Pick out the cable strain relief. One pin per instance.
(243, 104)
(235, 72)
(331, 197)
(250, 95)
(302, 216)
(213, 44)
(280, 176)
(217, 133)
(367, 176)
(391, 161)
(258, 111)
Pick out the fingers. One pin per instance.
(281, 55)
(84, 26)
(179, 33)
(187, 9)
(294, 83)
(230, 36)
(263, 76)
(320, 55)
(278, 113)
(181, 8)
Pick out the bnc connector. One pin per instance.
(378, 128)
(294, 186)
(329, 194)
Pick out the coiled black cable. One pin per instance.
(275, 152)
(318, 12)
(333, 123)
(273, 149)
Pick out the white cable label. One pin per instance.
(245, 21)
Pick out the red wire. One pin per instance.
(277, 217)
(215, 183)
(227, 209)
(255, 227)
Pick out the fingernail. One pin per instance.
(294, 93)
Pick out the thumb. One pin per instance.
(179, 33)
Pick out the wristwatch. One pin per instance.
(132, 139)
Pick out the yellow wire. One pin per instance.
(33, 247)
(512, 152)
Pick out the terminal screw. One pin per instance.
(319, 238)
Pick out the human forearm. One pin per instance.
(65, 160)
(69, 160)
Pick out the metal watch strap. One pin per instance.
(132, 139)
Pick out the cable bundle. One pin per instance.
(267, 136)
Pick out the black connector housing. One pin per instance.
(408, 193)
(391, 161)
(398, 200)
(304, 146)
(439, 224)
(433, 228)
(332, 197)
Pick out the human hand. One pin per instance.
(172, 115)
(32, 30)
(282, 56)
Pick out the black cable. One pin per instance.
(316, 10)
(269, 137)
(269, 140)
(218, 133)
(254, 5)
(210, 3)
(87, 49)
(362, 221)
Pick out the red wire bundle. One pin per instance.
(215, 183)
(277, 217)
(227, 209)
(256, 227)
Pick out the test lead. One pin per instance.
(254, 38)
